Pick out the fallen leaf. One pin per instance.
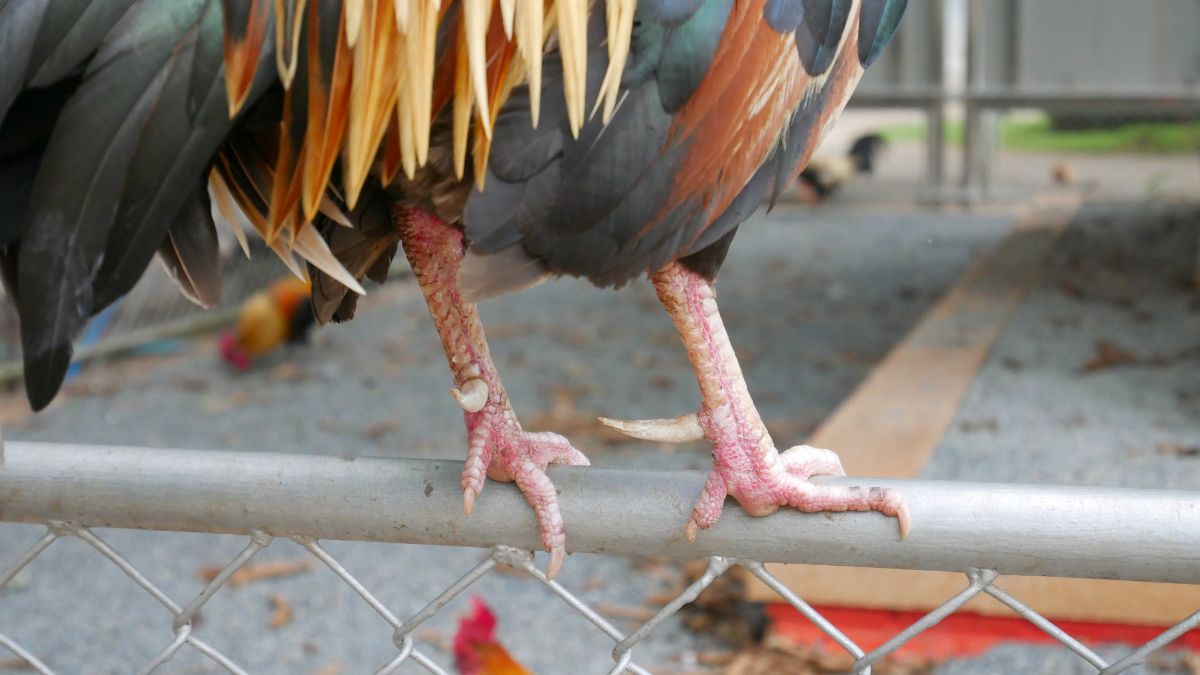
(1108, 355)
(499, 331)
(616, 611)
(1012, 363)
(714, 657)
(281, 612)
(191, 384)
(1070, 288)
(16, 664)
(257, 572)
(287, 372)
(663, 382)
(1178, 449)
(224, 404)
(973, 426)
(380, 429)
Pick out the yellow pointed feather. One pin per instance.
(530, 39)
(404, 123)
(421, 44)
(392, 51)
(373, 95)
(352, 11)
(476, 15)
(287, 39)
(401, 14)
(620, 31)
(572, 44)
(508, 9)
(227, 208)
(462, 107)
(311, 246)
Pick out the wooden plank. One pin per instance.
(891, 424)
(1124, 602)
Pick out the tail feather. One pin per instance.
(191, 253)
(122, 160)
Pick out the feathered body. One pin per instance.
(498, 141)
(605, 146)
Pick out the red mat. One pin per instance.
(959, 635)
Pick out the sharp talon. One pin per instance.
(473, 395)
(468, 501)
(690, 530)
(556, 560)
(905, 521)
(674, 430)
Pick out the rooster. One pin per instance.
(476, 650)
(277, 315)
(825, 175)
(496, 142)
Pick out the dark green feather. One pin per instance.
(19, 22)
(78, 187)
(70, 34)
(688, 51)
(191, 252)
(176, 145)
(876, 26)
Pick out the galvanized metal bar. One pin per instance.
(1103, 533)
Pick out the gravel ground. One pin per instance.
(1095, 380)
(813, 300)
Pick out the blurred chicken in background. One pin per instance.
(278, 315)
(476, 651)
(825, 174)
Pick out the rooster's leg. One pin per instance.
(746, 465)
(497, 446)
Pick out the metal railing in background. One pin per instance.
(981, 530)
(1091, 59)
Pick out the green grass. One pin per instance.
(1035, 135)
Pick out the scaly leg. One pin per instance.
(746, 464)
(497, 446)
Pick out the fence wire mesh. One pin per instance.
(183, 633)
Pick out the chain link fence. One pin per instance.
(1076, 532)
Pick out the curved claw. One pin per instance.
(468, 500)
(905, 521)
(680, 429)
(556, 560)
(690, 530)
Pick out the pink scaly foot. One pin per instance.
(497, 446)
(746, 465)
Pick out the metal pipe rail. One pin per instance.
(1103, 533)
